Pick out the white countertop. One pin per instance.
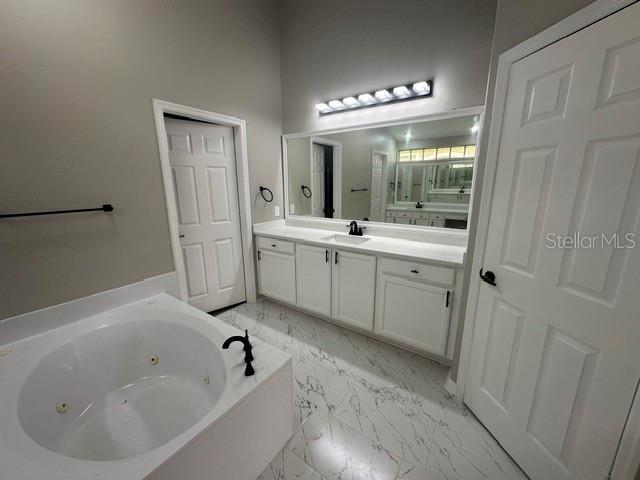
(451, 255)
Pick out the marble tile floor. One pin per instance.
(367, 410)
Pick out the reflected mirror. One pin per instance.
(413, 174)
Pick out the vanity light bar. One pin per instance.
(385, 96)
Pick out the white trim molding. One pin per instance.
(160, 107)
(337, 172)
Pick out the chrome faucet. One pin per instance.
(248, 356)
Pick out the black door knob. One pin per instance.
(488, 277)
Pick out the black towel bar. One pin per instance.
(107, 207)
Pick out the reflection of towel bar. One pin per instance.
(359, 189)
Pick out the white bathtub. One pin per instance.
(142, 391)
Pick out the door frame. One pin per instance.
(160, 107)
(589, 15)
(337, 170)
(383, 186)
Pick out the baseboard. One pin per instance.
(16, 328)
(450, 386)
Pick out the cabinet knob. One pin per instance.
(273, 245)
(414, 271)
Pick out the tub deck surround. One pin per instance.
(450, 254)
(22, 458)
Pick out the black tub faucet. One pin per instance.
(248, 356)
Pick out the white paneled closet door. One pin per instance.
(554, 362)
(203, 165)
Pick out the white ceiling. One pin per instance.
(433, 129)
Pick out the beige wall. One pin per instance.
(516, 21)
(76, 130)
(357, 150)
(334, 48)
(298, 150)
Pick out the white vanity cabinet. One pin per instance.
(408, 303)
(277, 269)
(354, 288)
(313, 267)
(413, 304)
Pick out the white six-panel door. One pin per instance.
(554, 362)
(202, 158)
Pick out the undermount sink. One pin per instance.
(346, 239)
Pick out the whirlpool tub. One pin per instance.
(141, 391)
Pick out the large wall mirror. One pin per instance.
(417, 173)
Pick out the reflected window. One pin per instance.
(443, 153)
(430, 153)
(457, 152)
(470, 151)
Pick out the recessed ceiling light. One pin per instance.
(422, 88)
(401, 91)
(350, 102)
(323, 107)
(336, 104)
(475, 128)
(366, 98)
(383, 95)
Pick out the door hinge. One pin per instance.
(326, 256)
(448, 294)
(336, 258)
(259, 256)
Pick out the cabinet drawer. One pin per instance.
(391, 214)
(281, 246)
(437, 216)
(420, 215)
(423, 271)
(403, 214)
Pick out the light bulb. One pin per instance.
(323, 107)
(422, 88)
(401, 91)
(350, 102)
(383, 95)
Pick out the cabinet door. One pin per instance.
(414, 313)
(313, 268)
(277, 275)
(354, 285)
